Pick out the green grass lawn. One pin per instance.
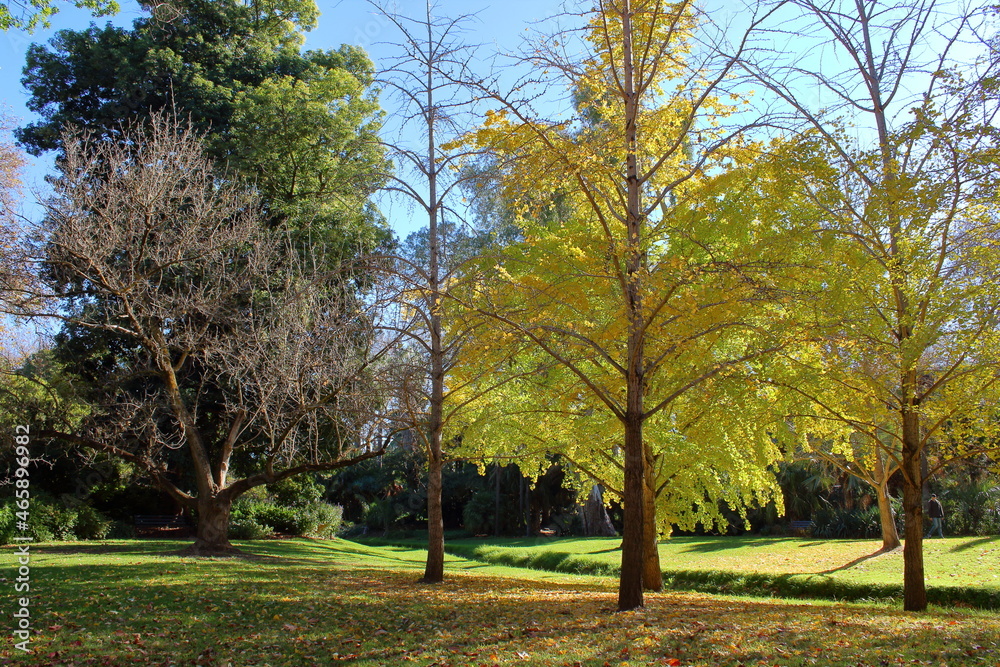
(953, 561)
(311, 602)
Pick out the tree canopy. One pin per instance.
(18, 15)
(300, 125)
(257, 364)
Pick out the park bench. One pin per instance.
(801, 526)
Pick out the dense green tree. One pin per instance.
(301, 125)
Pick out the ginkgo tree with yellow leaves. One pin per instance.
(647, 266)
(905, 195)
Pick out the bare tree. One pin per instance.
(433, 264)
(13, 274)
(222, 342)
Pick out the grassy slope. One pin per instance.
(305, 602)
(958, 561)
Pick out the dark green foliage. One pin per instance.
(296, 491)
(327, 518)
(384, 492)
(122, 530)
(301, 125)
(972, 508)
(247, 528)
(284, 520)
(291, 510)
(52, 519)
(91, 524)
(840, 523)
(7, 523)
(389, 494)
(478, 514)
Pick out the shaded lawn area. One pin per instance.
(310, 602)
(953, 561)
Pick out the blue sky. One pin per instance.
(341, 21)
(498, 27)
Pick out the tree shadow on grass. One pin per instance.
(972, 544)
(259, 613)
(709, 545)
(855, 562)
(144, 548)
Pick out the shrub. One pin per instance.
(40, 533)
(836, 522)
(121, 530)
(327, 519)
(477, 516)
(284, 520)
(381, 514)
(973, 509)
(258, 518)
(299, 491)
(50, 520)
(248, 528)
(91, 524)
(7, 522)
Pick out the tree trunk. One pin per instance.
(596, 522)
(652, 577)
(496, 500)
(890, 536)
(212, 533)
(914, 590)
(630, 581)
(434, 569)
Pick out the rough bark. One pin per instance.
(434, 568)
(630, 581)
(652, 577)
(212, 533)
(596, 522)
(914, 590)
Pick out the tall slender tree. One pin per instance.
(433, 263)
(906, 199)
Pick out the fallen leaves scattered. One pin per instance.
(313, 607)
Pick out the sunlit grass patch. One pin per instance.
(963, 571)
(310, 602)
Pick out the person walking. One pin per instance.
(936, 512)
